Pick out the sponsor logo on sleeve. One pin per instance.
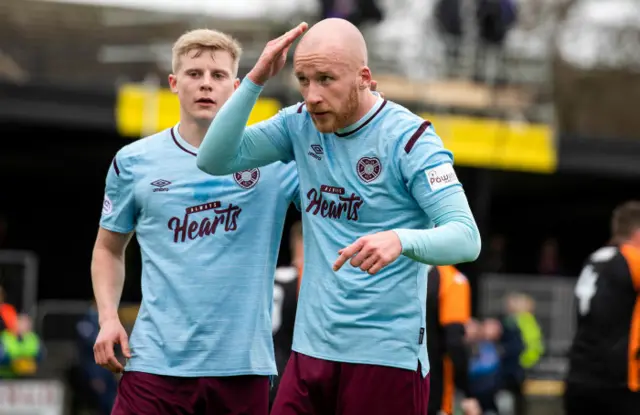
(441, 176)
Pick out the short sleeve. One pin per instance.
(119, 207)
(426, 166)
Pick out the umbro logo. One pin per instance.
(160, 185)
(316, 151)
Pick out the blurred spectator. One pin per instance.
(8, 314)
(488, 21)
(448, 15)
(521, 320)
(521, 307)
(20, 350)
(448, 312)
(484, 367)
(495, 18)
(99, 384)
(449, 18)
(549, 260)
(357, 12)
(511, 347)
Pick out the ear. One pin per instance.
(173, 83)
(236, 84)
(365, 78)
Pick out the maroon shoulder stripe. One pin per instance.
(300, 108)
(115, 167)
(414, 138)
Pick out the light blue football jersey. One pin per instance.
(388, 171)
(209, 249)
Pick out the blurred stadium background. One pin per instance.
(540, 115)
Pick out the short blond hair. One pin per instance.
(205, 40)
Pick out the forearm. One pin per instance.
(107, 276)
(228, 145)
(456, 238)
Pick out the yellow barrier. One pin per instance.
(142, 111)
(497, 144)
(475, 142)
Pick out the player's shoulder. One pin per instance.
(404, 128)
(296, 112)
(296, 115)
(612, 260)
(631, 254)
(286, 275)
(604, 254)
(143, 148)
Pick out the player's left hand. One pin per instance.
(371, 253)
(374, 88)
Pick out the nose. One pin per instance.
(313, 95)
(207, 82)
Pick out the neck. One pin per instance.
(633, 241)
(191, 131)
(366, 102)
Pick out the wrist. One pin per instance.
(404, 238)
(105, 317)
(257, 80)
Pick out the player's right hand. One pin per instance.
(274, 55)
(470, 406)
(111, 333)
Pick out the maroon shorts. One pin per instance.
(312, 386)
(146, 394)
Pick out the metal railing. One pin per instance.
(19, 277)
(554, 310)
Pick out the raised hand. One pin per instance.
(274, 55)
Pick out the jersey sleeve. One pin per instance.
(426, 166)
(290, 183)
(455, 299)
(229, 146)
(426, 169)
(119, 207)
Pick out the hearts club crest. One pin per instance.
(247, 178)
(369, 168)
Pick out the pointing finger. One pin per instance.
(347, 253)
